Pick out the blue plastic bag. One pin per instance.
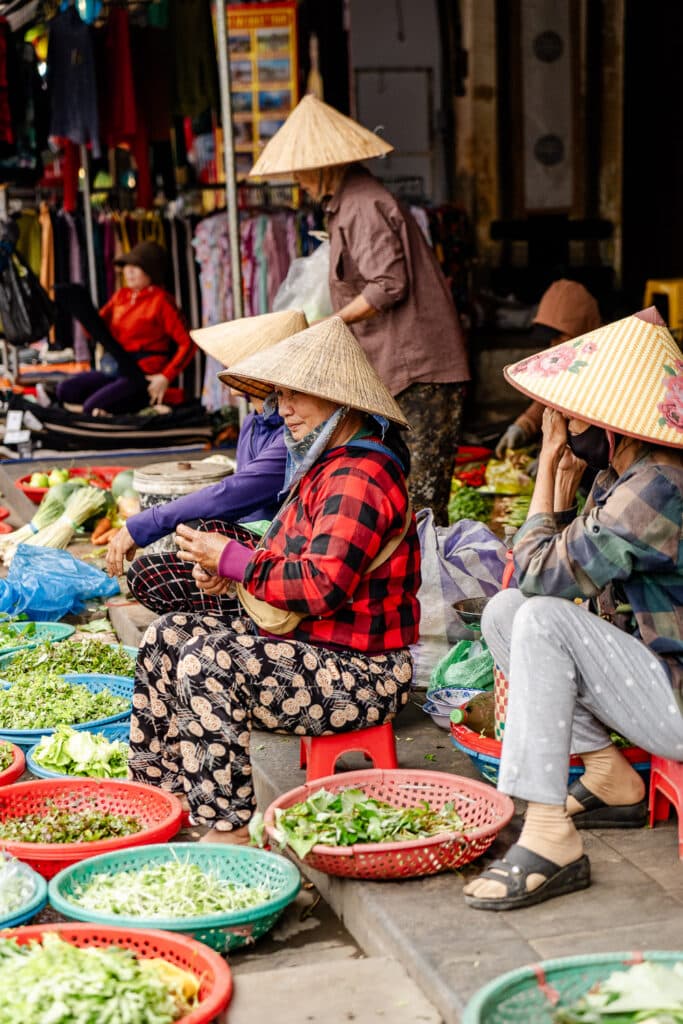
(48, 583)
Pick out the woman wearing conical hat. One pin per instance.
(329, 596)
(163, 582)
(385, 284)
(592, 642)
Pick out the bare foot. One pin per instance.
(238, 836)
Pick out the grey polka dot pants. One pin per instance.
(202, 684)
(574, 677)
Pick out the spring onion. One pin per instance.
(48, 701)
(81, 822)
(17, 886)
(350, 817)
(6, 755)
(81, 505)
(56, 982)
(69, 656)
(174, 889)
(49, 510)
(72, 752)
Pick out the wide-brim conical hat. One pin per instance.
(325, 360)
(234, 340)
(626, 376)
(316, 135)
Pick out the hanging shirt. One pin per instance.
(73, 87)
(248, 495)
(148, 323)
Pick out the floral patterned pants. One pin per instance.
(202, 684)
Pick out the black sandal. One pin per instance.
(513, 871)
(597, 814)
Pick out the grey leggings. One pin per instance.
(569, 672)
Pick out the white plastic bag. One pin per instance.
(306, 286)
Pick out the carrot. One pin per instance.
(104, 538)
(101, 526)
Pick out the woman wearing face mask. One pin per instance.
(593, 639)
(329, 596)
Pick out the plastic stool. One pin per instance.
(666, 788)
(318, 754)
(672, 287)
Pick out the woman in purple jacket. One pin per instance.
(164, 582)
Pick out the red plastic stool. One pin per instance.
(666, 788)
(318, 754)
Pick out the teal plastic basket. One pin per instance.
(45, 631)
(33, 905)
(222, 932)
(534, 993)
(120, 731)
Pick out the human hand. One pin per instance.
(122, 545)
(567, 479)
(209, 583)
(514, 437)
(200, 546)
(156, 387)
(554, 432)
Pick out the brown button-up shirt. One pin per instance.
(378, 250)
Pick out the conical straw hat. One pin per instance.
(626, 376)
(234, 340)
(324, 360)
(316, 135)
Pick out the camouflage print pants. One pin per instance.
(434, 412)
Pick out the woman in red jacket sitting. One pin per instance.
(146, 322)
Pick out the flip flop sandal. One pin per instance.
(597, 814)
(513, 871)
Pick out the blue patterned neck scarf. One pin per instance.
(301, 455)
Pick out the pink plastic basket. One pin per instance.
(483, 810)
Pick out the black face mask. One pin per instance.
(592, 446)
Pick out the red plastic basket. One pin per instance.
(159, 812)
(100, 476)
(215, 991)
(483, 810)
(17, 767)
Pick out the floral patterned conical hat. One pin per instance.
(626, 376)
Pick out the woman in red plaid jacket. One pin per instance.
(331, 592)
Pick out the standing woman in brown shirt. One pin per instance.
(385, 284)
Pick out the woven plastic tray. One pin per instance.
(222, 932)
(120, 686)
(16, 768)
(121, 731)
(483, 810)
(484, 753)
(215, 990)
(100, 476)
(533, 994)
(36, 902)
(45, 632)
(159, 812)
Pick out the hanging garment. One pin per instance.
(6, 129)
(196, 77)
(72, 81)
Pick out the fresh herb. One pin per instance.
(6, 755)
(466, 503)
(175, 889)
(57, 982)
(70, 656)
(648, 992)
(82, 822)
(17, 886)
(44, 701)
(72, 752)
(16, 634)
(350, 817)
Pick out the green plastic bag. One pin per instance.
(468, 666)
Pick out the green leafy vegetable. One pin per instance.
(467, 503)
(6, 755)
(17, 887)
(176, 889)
(350, 817)
(69, 656)
(44, 701)
(13, 634)
(649, 993)
(81, 822)
(58, 983)
(82, 753)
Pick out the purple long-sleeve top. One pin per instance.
(246, 496)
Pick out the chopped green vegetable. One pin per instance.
(648, 992)
(6, 755)
(176, 889)
(17, 886)
(467, 503)
(81, 822)
(82, 753)
(70, 656)
(44, 700)
(58, 983)
(13, 634)
(350, 817)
